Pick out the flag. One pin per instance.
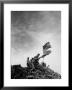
(46, 53)
(45, 49)
(47, 45)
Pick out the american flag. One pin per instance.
(46, 50)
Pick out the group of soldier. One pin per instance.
(34, 62)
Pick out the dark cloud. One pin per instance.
(25, 22)
(35, 20)
(22, 19)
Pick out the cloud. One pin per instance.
(24, 24)
(35, 20)
(30, 30)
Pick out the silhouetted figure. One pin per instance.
(43, 64)
(35, 60)
(37, 56)
(30, 64)
(34, 69)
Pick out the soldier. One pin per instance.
(30, 64)
(35, 60)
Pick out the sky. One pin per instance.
(30, 30)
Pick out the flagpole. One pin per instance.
(43, 58)
(43, 53)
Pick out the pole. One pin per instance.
(43, 58)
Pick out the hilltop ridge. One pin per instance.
(34, 70)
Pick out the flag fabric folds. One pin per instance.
(46, 50)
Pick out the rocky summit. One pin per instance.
(33, 70)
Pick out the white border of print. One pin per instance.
(64, 8)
